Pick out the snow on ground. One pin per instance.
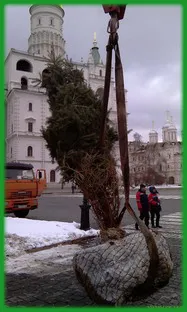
(49, 261)
(25, 234)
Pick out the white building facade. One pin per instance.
(26, 105)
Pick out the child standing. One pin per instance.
(155, 207)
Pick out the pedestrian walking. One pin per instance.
(155, 207)
(73, 188)
(143, 205)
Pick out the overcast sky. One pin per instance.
(150, 44)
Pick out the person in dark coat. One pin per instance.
(155, 207)
(143, 205)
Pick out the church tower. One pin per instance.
(153, 135)
(96, 77)
(165, 136)
(46, 30)
(169, 131)
(172, 131)
(94, 56)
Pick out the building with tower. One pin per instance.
(27, 108)
(154, 161)
(26, 104)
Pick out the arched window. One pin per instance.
(30, 126)
(99, 93)
(45, 75)
(24, 65)
(30, 107)
(52, 176)
(29, 151)
(24, 83)
(100, 73)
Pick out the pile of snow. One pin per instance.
(25, 234)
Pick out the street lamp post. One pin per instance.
(85, 217)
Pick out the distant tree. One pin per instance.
(137, 137)
(153, 177)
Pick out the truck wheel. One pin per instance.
(21, 213)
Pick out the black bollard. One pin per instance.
(85, 217)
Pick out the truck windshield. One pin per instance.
(19, 174)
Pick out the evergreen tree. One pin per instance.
(72, 135)
(73, 128)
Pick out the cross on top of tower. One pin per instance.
(95, 40)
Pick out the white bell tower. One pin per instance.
(46, 30)
(153, 135)
(169, 131)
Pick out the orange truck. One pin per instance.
(22, 188)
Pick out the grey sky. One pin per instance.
(150, 44)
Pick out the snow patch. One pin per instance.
(25, 234)
(50, 261)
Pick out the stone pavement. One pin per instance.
(171, 223)
(63, 289)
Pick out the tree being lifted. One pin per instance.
(72, 135)
(80, 138)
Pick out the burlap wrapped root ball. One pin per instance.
(110, 272)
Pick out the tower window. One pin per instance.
(29, 151)
(100, 73)
(12, 129)
(30, 107)
(11, 151)
(30, 127)
(39, 21)
(51, 21)
(24, 65)
(24, 83)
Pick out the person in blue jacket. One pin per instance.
(155, 207)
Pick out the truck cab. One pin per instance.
(22, 188)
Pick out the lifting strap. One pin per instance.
(120, 100)
(122, 120)
(113, 25)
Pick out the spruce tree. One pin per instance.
(72, 135)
